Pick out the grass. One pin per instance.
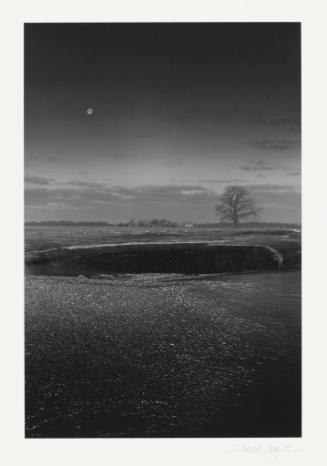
(163, 355)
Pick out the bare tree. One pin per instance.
(237, 205)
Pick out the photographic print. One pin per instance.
(162, 230)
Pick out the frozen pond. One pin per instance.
(164, 355)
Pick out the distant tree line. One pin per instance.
(155, 222)
(159, 222)
(69, 223)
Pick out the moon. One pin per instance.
(89, 111)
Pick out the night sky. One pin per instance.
(180, 111)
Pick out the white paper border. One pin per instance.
(104, 452)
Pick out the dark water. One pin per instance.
(164, 356)
(48, 238)
(143, 258)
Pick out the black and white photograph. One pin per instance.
(163, 223)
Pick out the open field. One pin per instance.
(164, 355)
(286, 240)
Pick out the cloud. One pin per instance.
(164, 193)
(223, 180)
(36, 197)
(270, 187)
(287, 124)
(278, 145)
(84, 184)
(176, 201)
(209, 180)
(66, 197)
(85, 194)
(39, 180)
(258, 165)
(280, 198)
